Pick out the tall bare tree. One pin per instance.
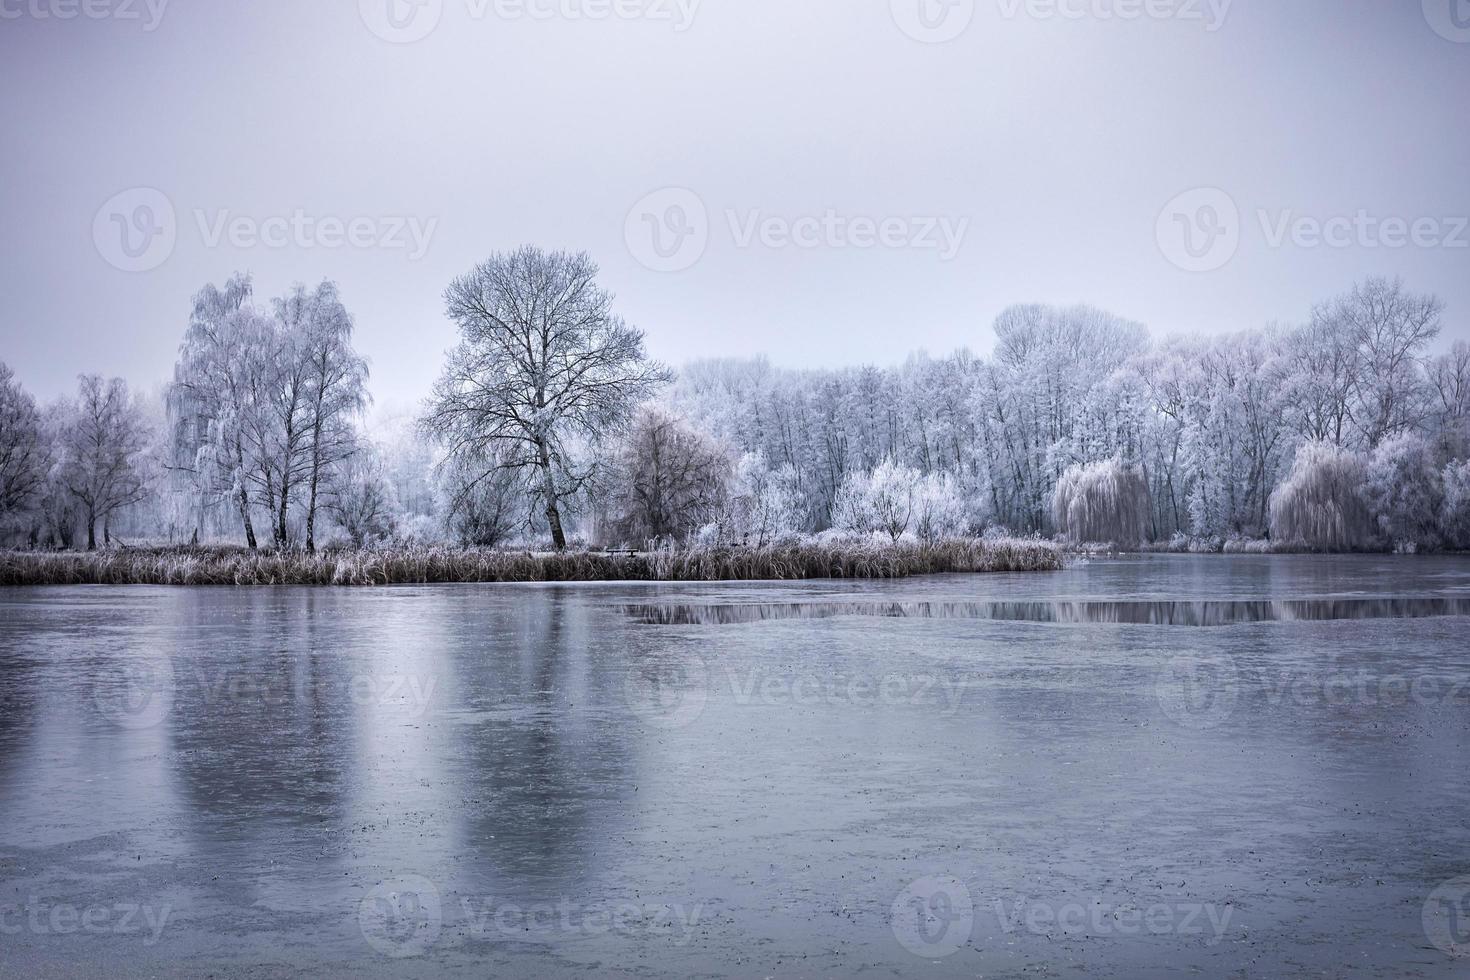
(102, 446)
(22, 451)
(1390, 329)
(543, 375)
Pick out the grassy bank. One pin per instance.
(424, 565)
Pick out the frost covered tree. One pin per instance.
(23, 455)
(211, 403)
(762, 507)
(1404, 492)
(940, 510)
(1320, 505)
(1455, 518)
(1389, 328)
(1449, 378)
(102, 443)
(482, 501)
(885, 501)
(264, 404)
(544, 374)
(359, 499)
(333, 387)
(1104, 502)
(669, 478)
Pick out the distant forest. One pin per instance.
(551, 427)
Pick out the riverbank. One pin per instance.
(422, 565)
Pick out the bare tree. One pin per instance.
(23, 461)
(359, 500)
(544, 372)
(483, 501)
(1390, 329)
(101, 446)
(671, 478)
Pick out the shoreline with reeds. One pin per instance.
(429, 565)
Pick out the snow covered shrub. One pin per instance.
(1455, 515)
(483, 503)
(1320, 505)
(764, 505)
(1405, 493)
(885, 501)
(1102, 502)
(360, 500)
(939, 509)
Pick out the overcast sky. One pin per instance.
(828, 182)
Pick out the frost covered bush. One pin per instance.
(761, 506)
(1319, 505)
(1404, 493)
(1455, 514)
(1102, 502)
(881, 502)
(940, 510)
(895, 501)
(483, 502)
(360, 500)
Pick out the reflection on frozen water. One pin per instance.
(1146, 613)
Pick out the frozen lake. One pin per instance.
(1152, 767)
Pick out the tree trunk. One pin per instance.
(244, 500)
(553, 515)
(91, 533)
(311, 511)
(281, 535)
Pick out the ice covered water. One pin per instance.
(957, 775)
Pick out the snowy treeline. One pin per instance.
(1344, 432)
(1212, 426)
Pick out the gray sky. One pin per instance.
(850, 182)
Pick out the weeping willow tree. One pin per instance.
(1106, 501)
(1320, 506)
